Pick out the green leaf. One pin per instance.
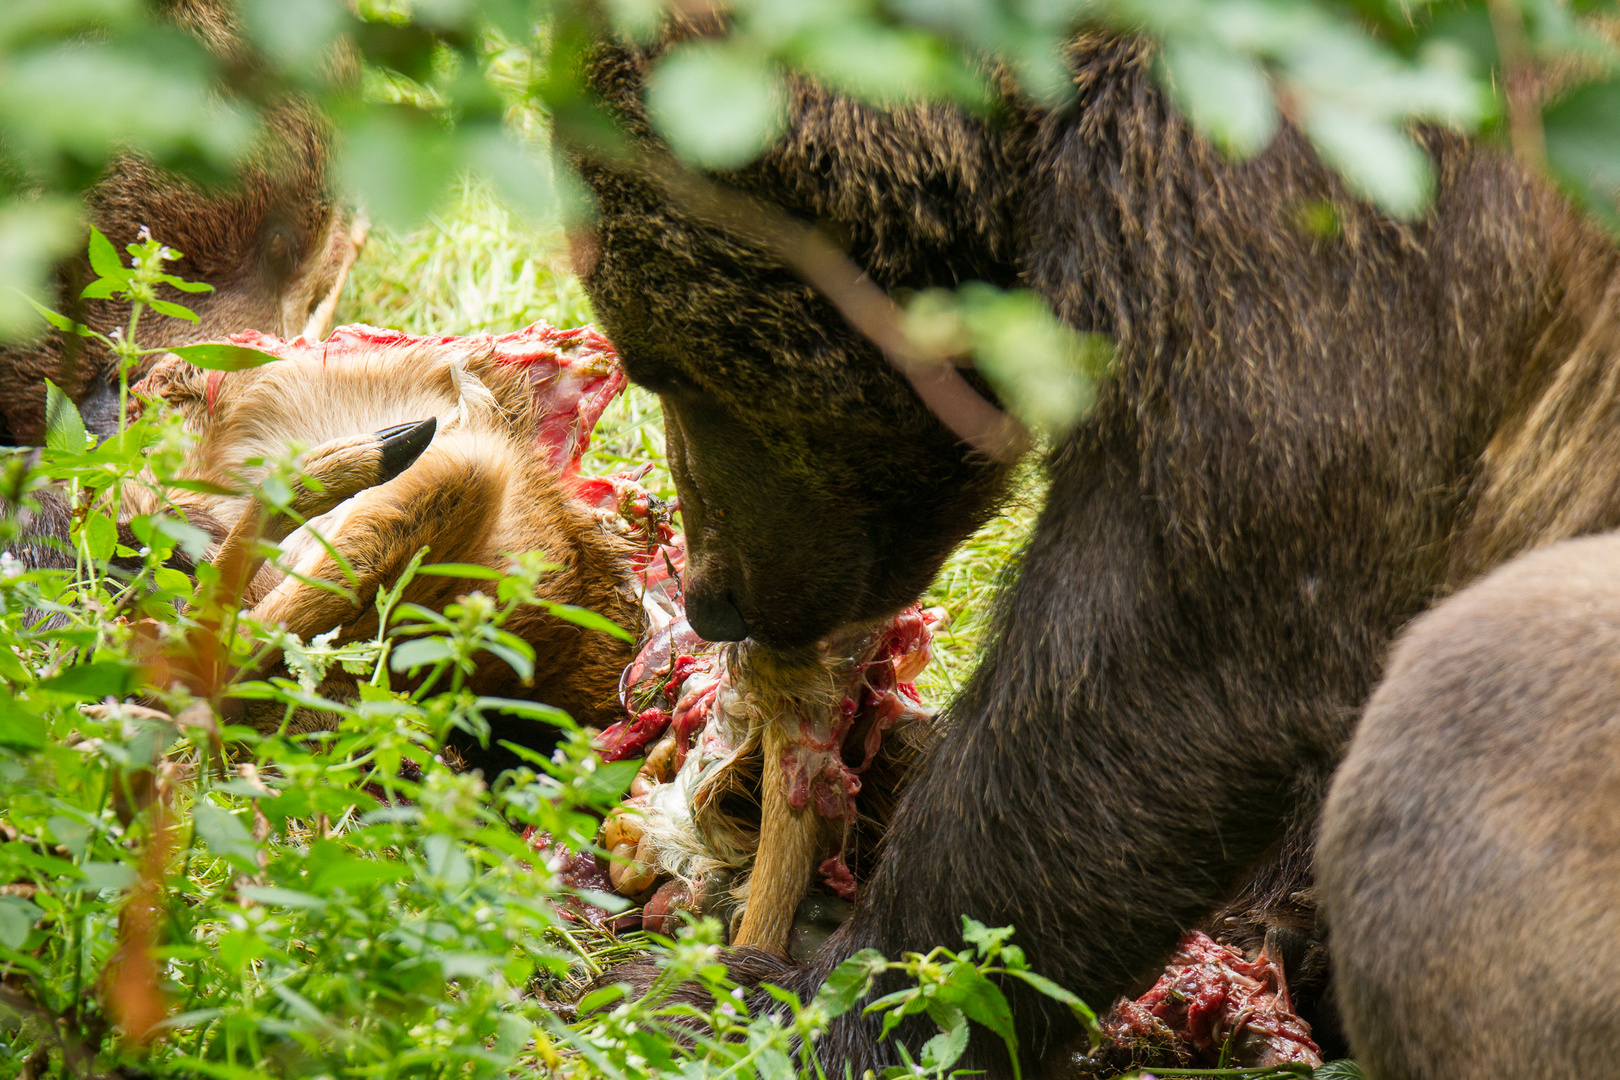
(982, 1001)
(221, 1070)
(225, 835)
(185, 286)
(988, 941)
(1226, 95)
(589, 619)
(217, 356)
(717, 103)
(512, 1034)
(17, 919)
(608, 781)
(1343, 1069)
(1082, 1012)
(104, 258)
(1583, 139)
(943, 1050)
(531, 710)
(64, 427)
(101, 289)
(466, 570)
(11, 669)
(18, 729)
(93, 682)
(446, 860)
(61, 322)
(1041, 369)
(602, 995)
(202, 487)
(522, 665)
(36, 231)
(348, 873)
(849, 981)
(100, 536)
(399, 161)
(1376, 158)
(176, 311)
(420, 653)
(170, 580)
(73, 835)
(292, 898)
(108, 875)
(299, 1004)
(192, 540)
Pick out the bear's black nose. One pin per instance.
(715, 617)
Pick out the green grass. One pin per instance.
(477, 266)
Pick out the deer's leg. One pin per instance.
(450, 502)
(336, 471)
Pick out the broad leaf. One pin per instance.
(61, 322)
(216, 356)
(17, 919)
(1082, 1012)
(982, 1001)
(849, 981)
(225, 835)
(270, 894)
(18, 729)
(93, 682)
(589, 619)
(420, 653)
(64, 427)
(1226, 94)
(185, 286)
(100, 536)
(1583, 140)
(718, 104)
(104, 258)
(175, 311)
(943, 1050)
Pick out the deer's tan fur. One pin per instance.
(480, 491)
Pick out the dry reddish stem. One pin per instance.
(131, 985)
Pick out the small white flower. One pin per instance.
(144, 234)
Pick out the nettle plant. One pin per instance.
(180, 896)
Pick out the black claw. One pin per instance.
(402, 444)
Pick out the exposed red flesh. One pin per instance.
(1215, 1000)
(574, 373)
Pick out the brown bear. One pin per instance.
(1309, 434)
(275, 245)
(1470, 852)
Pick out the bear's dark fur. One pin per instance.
(274, 246)
(1470, 853)
(1309, 436)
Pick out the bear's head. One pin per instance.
(818, 491)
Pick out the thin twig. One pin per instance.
(866, 307)
(1519, 83)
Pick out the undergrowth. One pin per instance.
(181, 896)
(185, 896)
